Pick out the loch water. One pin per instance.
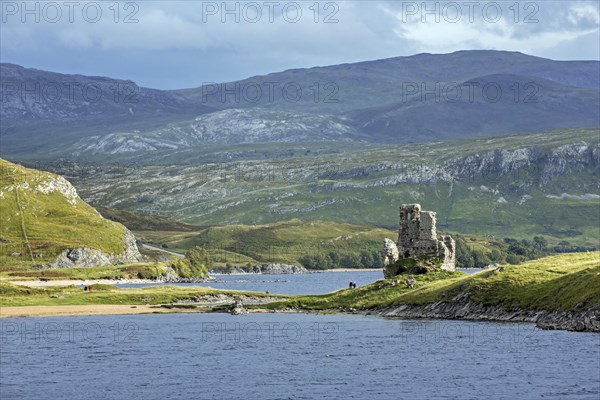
(291, 356)
(311, 283)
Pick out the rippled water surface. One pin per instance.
(313, 283)
(291, 356)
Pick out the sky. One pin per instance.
(181, 44)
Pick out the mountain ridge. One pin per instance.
(361, 94)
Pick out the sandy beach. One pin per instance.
(350, 270)
(92, 309)
(78, 282)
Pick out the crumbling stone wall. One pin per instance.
(418, 242)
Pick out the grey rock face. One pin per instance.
(390, 252)
(278, 269)
(463, 308)
(86, 257)
(238, 308)
(269, 269)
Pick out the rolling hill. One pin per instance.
(44, 221)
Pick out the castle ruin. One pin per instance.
(418, 244)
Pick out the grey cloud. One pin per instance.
(173, 46)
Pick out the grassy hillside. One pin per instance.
(286, 242)
(127, 271)
(510, 186)
(315, 245)
(41, 215)
(565, 282)
(145, 222)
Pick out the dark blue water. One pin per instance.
(313, 283)
(291, 356)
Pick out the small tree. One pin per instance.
(199, 256)
(540, 243)
(195, 264)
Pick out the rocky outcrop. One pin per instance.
(278, 269)
(61, 185)
(86, 257)
(390, 252)
(269, 269)
(465, 309)
(238, 308)
(541, 164)
(172, 277)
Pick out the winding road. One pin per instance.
(150, 247)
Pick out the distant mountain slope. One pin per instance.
(42, 110)
(378, 82)
(46, 115)
(488, 105)
(31, 94)
(232, 126)
(516, 186)
(43, 220)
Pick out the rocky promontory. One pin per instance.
(461, 309)
(266, 269)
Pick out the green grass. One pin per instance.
(145, 222)
(283, 242)
(128, 271)
(13, 295)
(565, 282)
(39, 226)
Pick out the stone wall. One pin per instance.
(418, 241)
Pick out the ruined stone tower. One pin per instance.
(418, 243)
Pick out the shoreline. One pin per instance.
(82, 282)
(584, 321)
(86, 282)
(349, 270)
(90, 309)
(557, 320)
